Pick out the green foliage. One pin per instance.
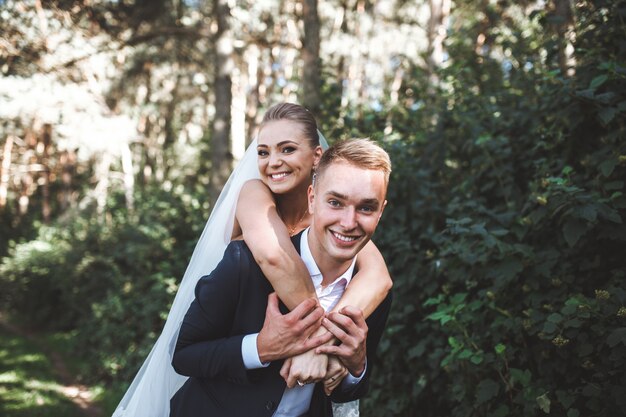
(28, 384)
(110, 283)
(505, 234)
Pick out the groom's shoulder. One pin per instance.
(237, 261)
(238, 252)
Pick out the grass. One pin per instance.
(28, 386)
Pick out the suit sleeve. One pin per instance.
(376, 325)
(204, 348)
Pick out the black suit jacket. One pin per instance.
(230, 303)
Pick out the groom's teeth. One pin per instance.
(344, 238)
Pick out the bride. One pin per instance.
(258, 204)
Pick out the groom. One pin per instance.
(234, 337)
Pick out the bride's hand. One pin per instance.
(307, 367)
(335, 374)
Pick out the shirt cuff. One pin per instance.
(351, 380)
(250, 353)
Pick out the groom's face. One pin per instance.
(346, 202)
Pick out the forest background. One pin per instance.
(121, 120)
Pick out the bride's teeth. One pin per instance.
(278, 176)
(344, 238)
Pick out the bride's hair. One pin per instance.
(297, 114)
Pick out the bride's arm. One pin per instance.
(370, 285)
(270, 244)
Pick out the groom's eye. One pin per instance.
(334, 203)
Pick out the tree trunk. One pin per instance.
(255, 76)
(5, 171)
(46, 136)
(566, 35)
(437, 27)
(129, 177)
(221, 158)
(238, 114)
(68, 164)
(311, 71)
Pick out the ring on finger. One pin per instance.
(300, 383)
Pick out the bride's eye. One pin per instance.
(262, 152)
(289, 149)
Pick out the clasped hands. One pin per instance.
(316, 347)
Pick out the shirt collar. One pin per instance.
(307, 258)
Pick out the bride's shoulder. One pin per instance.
(255, 184)
(254, 194)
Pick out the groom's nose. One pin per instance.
(348, 218)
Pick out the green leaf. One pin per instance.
(521, 376)
(454, 343)
(573, 230)
(500, 348)
(442, 316)
(477, 359)
(506, 270)
(555, 318)
(416, 351)
(586, 349)
(565, 398)
(614, 185)
(587, 212)
(617, 336)
(575, 323)
(501, 411)
(598, 81)
(544, 403)
(465, 354)
(607, 114)
(486, 390)
(569, 309)
(607, 166)
(549, 327)
(592, 390)
(434, 300)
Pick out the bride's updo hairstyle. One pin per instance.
(297, 114)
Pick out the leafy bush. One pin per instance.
(505, 234)
(110, 283)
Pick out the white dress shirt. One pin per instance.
(296, 401)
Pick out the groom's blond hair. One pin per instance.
(362, 153)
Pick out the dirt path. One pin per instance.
(77, 393)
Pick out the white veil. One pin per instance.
(156, 382)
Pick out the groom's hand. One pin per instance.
(350, 328)
(287, 335)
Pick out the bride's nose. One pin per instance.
(275, 159)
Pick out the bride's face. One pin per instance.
(285, 156)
